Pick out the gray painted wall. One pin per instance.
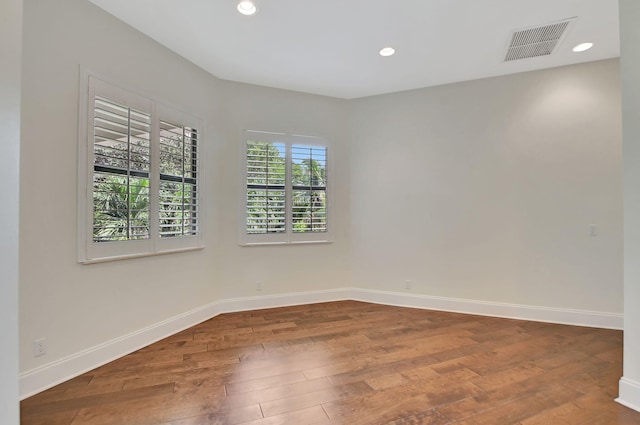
(486, 190)
(11, 53)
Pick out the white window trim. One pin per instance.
(289, 237)
(90, 252)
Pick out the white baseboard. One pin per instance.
(230, 305)
(51, 374)
(594, 319)
(56, 372)
(629, 394)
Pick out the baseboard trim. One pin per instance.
(593, 319)
(629, 393)
(231, 305)
(51, 374)
(54, 373)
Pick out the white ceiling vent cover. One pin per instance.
(536, 41)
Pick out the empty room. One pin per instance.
(293, 212)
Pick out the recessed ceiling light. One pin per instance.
(247, 7)
(387, 51)
(582, 47)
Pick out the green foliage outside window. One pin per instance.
(120, 208)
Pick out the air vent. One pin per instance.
(536, 41)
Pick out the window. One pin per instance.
(285, 197)
(139, 174)
(121, 164)
(266, 189)
(178, 180)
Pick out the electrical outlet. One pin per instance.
(259, 285)
(407, 284)
(39, 347)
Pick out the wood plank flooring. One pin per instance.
(351, 363)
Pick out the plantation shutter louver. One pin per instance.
(266, 191)
(121, 152)
(309, 188)
(178, 203)
(286, 197)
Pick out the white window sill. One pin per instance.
(139, 255)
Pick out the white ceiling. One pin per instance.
(330, 47)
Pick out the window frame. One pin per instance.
(288, 237)
(89, 251)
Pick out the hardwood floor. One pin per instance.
(352, 363)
